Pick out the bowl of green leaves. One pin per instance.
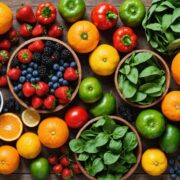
(142, 78)
(107, 147)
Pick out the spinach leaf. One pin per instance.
(133, 75)
(161, 80)
(176, 27)
(129, 89)
(168, 4)
(130, 59)
(106, 177)
(157, 94)
(121, 79)
(119, 132)
(97, 166)
(99, 123)
(154, 27)
(170, 36)
(176, 14)
(150, 88)
(109, 125)
(101, 139)
(130, 141)
(139, 96)
(153, 43)
(141, 58)
(110, 158)
(130, 158)
(76, 145)
(120, 168)
(127, 69)
(90, 146)
(88, 134)
(83, 157)
(166, 21)
(161, 8)
(115, 146)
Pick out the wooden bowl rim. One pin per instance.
(165, 67)
(139, 148)
(2, 101)
(59, 107)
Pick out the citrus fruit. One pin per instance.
(175, 68)
(171, 106)
(30, 118)
(6, 18)
(10, 127)
(53, 132)
(154, 162)
(28, 145)
(9, 159)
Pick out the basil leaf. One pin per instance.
(129, 89)
(153, 43)
(139, 96)
(76, 145)
(133, 75)
(130, 59)
(115, 146)
(150, 71)
(106, 177)
(130, 158)
(166, 21)
(121, 79)
(151, 10)
(119, 132)
(120, 168)
(97, 166)
(161, 80)
(83, 157)
(157, 94)
(176, 27)
(168, 4)
(109, 125)
(101, 139)
(141, 58)
(154, 27)
(176, 14)
(88, 134)
(161, 8)
(122, 70)
(169, 36)
(90, 146)
(110, 158)
(149, 88)
(174, 45)
(130, 141)
(99, 123)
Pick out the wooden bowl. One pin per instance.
(1, 101)
(163, 65)
(59, 107)
(139, 148)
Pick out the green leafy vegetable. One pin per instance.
(110, 158)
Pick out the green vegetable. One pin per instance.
(110, 154)
(132, 12)
(145, 81)
(72, 11)
(162, 26)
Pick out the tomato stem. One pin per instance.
(126, 40)
(46, 12)
(112, 16)
(84, 36)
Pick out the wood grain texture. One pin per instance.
(108, 84)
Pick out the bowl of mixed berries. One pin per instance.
(44, 74)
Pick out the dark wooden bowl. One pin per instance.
(139, 148)
(59, 107)
(163, 65)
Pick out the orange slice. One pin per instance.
(10, 127)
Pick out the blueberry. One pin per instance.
(19, 86)
(56, 67)
(66, 65)
(171, 170)
(173, 176)
(52, 91)
(35, 66)
(16, 88)
(23, 66)
(59, 74)
(28, 76)
(54, 78)
(35, 73)
(31, 64)
(73, 64)
(61, 80)
(30, 70)
(171, 162)
(65, 83)
(56, 85)
(24, 72)
(37, 79)
(22, 79)
(61, 68)
(50, 84)
(32, 80)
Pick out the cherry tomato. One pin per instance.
(65, 161)
(66, 173)
(76, 117)
(64, 149)
(53, 159)
(57, 169)
(76, 168)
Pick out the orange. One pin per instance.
(83, 36)
(10, 127)
(28, 145)
(171, 106)
(175, 68)
(53, 132)
(154, 162)
(9, 159)
(6, 18)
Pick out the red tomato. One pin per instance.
(53, 159)
(65, 161)
(57, 168)
(76, 168)
(76, 117)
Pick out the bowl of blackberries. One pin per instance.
(44, 74)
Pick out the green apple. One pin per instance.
(150, 123)
(90, 90)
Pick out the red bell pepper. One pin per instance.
(104, 16)
(46, 13)
(124, 39)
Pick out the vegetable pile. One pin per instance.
(106, 149)
(162, 26)
(141, 79)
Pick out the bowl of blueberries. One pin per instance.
(44, 74)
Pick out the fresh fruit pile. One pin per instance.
(44, 74)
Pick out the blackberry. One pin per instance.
(126, 113)
(48, 51)
(15, 62)
(11, 105)
(49, 44)
(42, 70)
(58, 47)
(66, 54)
(3, 70)
(37, 58)
(47, 61)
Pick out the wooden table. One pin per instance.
(106, 37)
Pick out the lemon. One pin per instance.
(30, 118)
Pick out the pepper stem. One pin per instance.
(112, 16)
(84, 36)
(126, 40)
(46, 12)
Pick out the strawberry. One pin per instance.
(63, 93)
(55, 31)
(25, 14)
(4, 56)
(25, 56)
(14, 73)
(25, 30)
(3, 81)
(38, 30)
(5, 44)
(42, 88)
(28, 89)
(36, 102)
(13, 36)
(36, 46)
(70, 74)
(50, 102)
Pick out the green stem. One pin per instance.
(112, 16)
(84, 36)
(126, 40)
